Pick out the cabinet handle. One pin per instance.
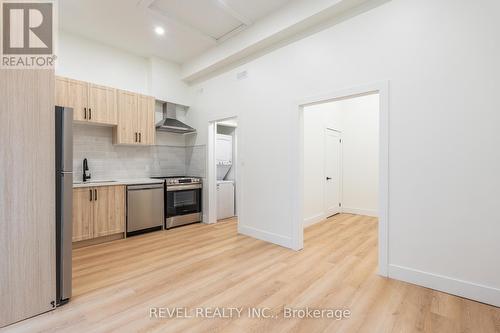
(95, 194)
(90, 113)
(90, 194)
(84, 113)
(135, 136)
(140, 139)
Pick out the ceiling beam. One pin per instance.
(298, 19)
(229, 10)
(232, 33)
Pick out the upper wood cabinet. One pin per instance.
(98, 211)
(136, 119)
(102, 105)
(132, 114)
(146, 122)
(73, 94)
(90, 102)
(126, 131)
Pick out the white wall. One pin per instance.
(91, 61)
(86, 60)
(357, 119)
(314, 163)
(166, 84)
(441, 58)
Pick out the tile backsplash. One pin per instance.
(108, 161)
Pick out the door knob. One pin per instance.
(328, 178)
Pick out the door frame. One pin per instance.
(382, 89)
(325, 205)
(211, 213)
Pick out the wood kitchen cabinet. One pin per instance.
(74, 94)
(102, 105)
(109, 210)
(146, 121)
(131, 115)
(90, 102)
(126, 131)
(136, 119)
(83, 211)
(98, 211)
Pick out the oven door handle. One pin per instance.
(172, 188)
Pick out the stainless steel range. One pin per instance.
(182, 200)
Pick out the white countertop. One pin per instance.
(135, 181)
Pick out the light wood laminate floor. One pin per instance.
(116, 284)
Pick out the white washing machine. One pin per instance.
(225, 199)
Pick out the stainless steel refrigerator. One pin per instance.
(64, 202)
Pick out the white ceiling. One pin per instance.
(192, 26)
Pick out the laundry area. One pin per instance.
(225, 152)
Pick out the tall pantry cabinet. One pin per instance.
(27, 194)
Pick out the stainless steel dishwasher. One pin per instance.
(145, 208)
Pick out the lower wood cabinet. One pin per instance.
(98, 211)
(83, 214)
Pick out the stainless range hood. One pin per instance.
(170, 123)
(174, 126)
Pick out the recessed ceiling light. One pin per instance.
(159, 31)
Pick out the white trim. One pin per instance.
(211, 174)
(360, 211)
(314, 219)
(297, 165)
(297, 126)
(265, 235)
(474, 291)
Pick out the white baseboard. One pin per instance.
(314, 219)
(321, 216)
(265, 236)
(466, 289)
(360, 211)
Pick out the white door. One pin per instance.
(332, 172)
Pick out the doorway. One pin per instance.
(305, 159)
(222, 168)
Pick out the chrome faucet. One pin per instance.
(86, 173)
